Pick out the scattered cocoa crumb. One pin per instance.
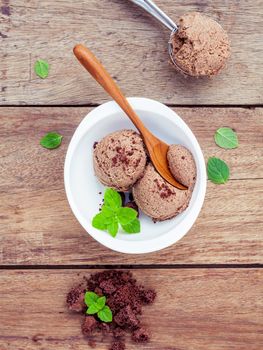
(89, 325)
(125, 298)
(140, 335)
(92, 343)
(120, 157)
(108, 287)
(118, 333)
(124, 159)
(137, 162)
(119, 149)
(95, 144)
(118, 345)
(75, 299)
(147, 295)
(104, 327)
(114, 160)
(98, 291)
(126, 318)
(164, 190)
(167, 192)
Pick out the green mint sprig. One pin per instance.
(97, 305)
(113, 214)
(41, 68)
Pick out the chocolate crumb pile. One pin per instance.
(125, 299)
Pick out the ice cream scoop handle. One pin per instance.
(99, 73)
(150, 7)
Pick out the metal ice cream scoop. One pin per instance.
(150, 7)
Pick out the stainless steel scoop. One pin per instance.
(150, 7)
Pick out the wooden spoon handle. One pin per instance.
(99, 73)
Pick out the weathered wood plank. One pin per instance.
(131, 44)
(37, 226)
(195, 310)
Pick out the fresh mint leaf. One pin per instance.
(108, 213)
(112, 199)
(106, 220)
(93, 309)
(133, 227)
(105, 314)
(226, 138)
(126, 215)
(217, 170)
(41, 68)
(101, 302)
(90, 298)
(113, 227)
(100, 221)
(51, 140)
(112, 214)
(97, 305)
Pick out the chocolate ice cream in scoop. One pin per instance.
(200, 47)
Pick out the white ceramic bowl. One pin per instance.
(82, 186)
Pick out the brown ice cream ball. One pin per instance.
(119, 159)
(200, 46)
(182, 165)
(157, 198)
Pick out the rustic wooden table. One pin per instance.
(213, 277)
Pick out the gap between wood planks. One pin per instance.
(132, 267)
(93, 105)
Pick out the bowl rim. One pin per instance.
(157, 243)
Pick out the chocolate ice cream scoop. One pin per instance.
(157, 198)
(119, 159)
(182, 164)
(198, 46)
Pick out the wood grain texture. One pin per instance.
(37, 226)
(133, 47)
(195, 310)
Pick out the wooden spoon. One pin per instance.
(157, 149)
